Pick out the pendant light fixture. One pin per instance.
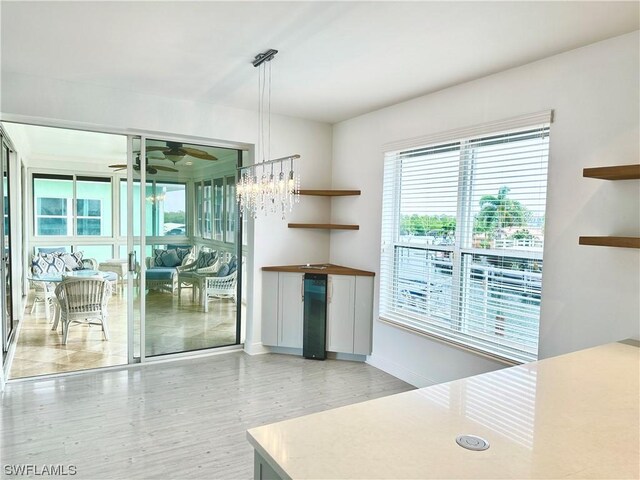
(267, 186)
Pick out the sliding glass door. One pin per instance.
(183, 232)
(8, 323)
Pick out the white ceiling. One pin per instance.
(337, 59)
(51, 147)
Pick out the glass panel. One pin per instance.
(7, 313)
(94, 207)
(100, 253)
(502, 298)
(218, 209)
(52, 199)
(230, 229)
(199, 209)
(51, 206)
(51, 226)
(423, 282)
(136, 208)
(206, 210)
(170, 207)
(195, 309)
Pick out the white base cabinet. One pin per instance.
(282, 309)
(349, 314)
(349, 311)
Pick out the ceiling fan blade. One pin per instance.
(119, 169)
(151, 170)
(165, 169)
(194, 152)
(118, 166)
(157, 149)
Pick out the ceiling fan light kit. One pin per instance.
(267, 186)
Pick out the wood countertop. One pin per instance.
(572, 416)
(327, 268)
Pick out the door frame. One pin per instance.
(143, 135)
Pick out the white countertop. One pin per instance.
(572, 416)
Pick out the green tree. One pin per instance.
(499, 211)
(421, 225)
(174, 217)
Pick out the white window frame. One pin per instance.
(389, 290)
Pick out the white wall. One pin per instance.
(590, 294)
(58, 101)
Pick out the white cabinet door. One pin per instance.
(341, 291)
(290, 309)
(270, 308)
(363, 320)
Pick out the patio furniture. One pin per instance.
(118, 266)
(82, 300)
(190, 275)
(162, 273)
(53, 261)
(45, 294)
(218, 287)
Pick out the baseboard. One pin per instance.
(256, 349)
(259, 348)
(398, 371)
(286, 350)
(351, 357)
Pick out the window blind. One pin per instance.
(462, 240)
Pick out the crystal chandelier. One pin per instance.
(268, 186)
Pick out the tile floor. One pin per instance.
(170, 327)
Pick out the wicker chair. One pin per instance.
(219, 287)
(190, 276)
(83, 299)
(44, 292)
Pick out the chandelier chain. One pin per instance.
(259, 189)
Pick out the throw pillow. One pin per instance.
(52, 249)
(224, 270)
(165, 258)
(233, 264)
(182, 250)
(47, 263)
(73, 261)
(206, 259)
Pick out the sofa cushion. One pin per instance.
(47, 263)
(160, 273)
(166, 258)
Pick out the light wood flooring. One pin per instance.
(182, 419)
(171, 327)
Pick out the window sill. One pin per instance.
(504, 361)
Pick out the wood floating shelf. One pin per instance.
(327, 226)
(625, 242)
(330, 193)
(618, 172)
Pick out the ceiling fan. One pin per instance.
(151, 169)
(175, 151)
